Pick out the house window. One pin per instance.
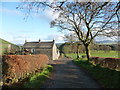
(32, 50)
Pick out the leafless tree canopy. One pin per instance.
(71, 37)
(90, 18)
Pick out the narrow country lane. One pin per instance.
(67, 75)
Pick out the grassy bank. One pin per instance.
(106, 77)
(5, 44)
(38, 79)
(33, 81)
(113, 54)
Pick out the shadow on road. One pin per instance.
(67, 75)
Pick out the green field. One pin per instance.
(113, 54)
(4, 45)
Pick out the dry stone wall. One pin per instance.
(111, 63)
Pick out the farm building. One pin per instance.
(48, 48)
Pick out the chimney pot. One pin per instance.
(39, 40)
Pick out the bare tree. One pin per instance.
(86, 19)
(70, 37)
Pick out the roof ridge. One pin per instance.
(41, 42)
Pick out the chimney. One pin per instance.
(39, 40)
(25, 41)
(53, 41)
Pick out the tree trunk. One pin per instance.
(77, 51)
(87, 51)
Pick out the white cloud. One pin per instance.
(46, 14)
(21, 38)
(14, 37)
(49, 13)
(57, 37)
(102, 38)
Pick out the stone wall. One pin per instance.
(48, 52)
(111, 63)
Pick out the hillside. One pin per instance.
(2, 41)
(108, 42)
(5, 45)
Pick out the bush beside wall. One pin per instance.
(111, 63)
(16, 67)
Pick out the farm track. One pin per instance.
(67, 75)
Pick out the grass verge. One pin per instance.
(106, 77)
(38, 79)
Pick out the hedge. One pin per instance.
(17, 67)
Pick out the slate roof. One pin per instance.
(38, 45)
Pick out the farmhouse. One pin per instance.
(48, 48)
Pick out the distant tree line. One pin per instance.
(72, 47)
(105, 47)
